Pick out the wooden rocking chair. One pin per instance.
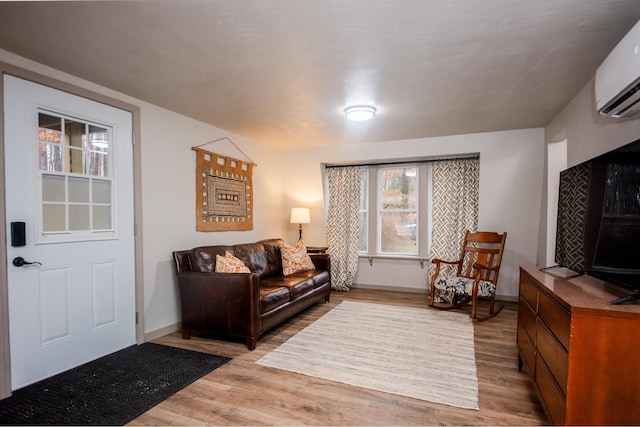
(475, 274)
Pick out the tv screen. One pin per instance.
(598, 230)
(618, 244)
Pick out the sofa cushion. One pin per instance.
(272, 297)
(319, 277)
(297, 285)
(274, 256)
(203, 258)
(254, 257)
(295, 258)
(230, 264)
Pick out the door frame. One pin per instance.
(5, 68)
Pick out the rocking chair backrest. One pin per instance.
(484, 248)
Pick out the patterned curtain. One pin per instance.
(343, 225)
(455, 189)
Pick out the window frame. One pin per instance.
(68, 234)
(423, 214)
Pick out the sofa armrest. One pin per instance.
(321, 261)
(226, 303)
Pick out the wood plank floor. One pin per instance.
(245, 393)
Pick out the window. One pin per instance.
(398, 209)
(405, 208)
(395, 194)
(75, 176)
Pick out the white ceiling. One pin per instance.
(280, 72)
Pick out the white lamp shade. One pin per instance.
(300, 216)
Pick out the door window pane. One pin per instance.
(101, 217)
(54, 218)
(79, 217)
(101, 191)
(99, 149)
(50, 157)
(98, 164)
(75, 135)
(79, 190)
(53, 188)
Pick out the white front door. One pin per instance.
(69, 184)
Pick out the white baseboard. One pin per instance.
(389, 288)
(150, 336)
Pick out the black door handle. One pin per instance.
(19, 262)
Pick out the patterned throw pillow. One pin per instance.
(230, 264)
(295, 258)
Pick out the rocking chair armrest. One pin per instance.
(436, 273)
(441, 261)
(484, 267)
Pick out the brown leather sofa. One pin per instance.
(245, 304)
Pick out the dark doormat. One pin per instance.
(112, 390)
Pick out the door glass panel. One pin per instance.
(98, 164)
(79, 217)
(49, 142)
(99, 149)
(53, 188)
(50, 158)
(54, 218)
(79, 190)
(75, 137)
(99, 138)
(101, 191)
(102, 217)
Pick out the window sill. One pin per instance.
(396, 257)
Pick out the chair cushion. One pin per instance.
(463, 286)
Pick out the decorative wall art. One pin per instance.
(224, 192)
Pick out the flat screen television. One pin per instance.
(598, 228)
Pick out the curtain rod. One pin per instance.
(476, 157)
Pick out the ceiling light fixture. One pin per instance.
(360, 113)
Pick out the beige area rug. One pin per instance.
(421, 353)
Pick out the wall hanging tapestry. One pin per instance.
(224, 192)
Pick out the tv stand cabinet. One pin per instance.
(582, 353)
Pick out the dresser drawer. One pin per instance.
(555, 356)
(529, 292)
(527, 316)
(552, 397)
(557, 319)
(527, 349)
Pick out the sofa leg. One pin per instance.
(186, 333)
(326, 299)
(251, 343)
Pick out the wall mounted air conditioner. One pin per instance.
(617, 82)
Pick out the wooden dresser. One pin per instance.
(582, 354)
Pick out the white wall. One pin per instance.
(589, 134)
(511, 167)
(168, 192)
(168, 200)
